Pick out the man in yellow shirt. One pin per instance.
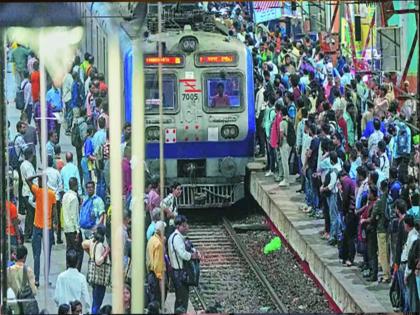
(155, 262)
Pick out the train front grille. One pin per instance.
(204, 196)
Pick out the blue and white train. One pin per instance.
(208, 101)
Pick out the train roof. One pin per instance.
(207, 41)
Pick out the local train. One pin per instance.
(208, 102)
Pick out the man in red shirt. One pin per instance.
(35, 82)
(12, 228)
(343, 125)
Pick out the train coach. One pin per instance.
(208, 104)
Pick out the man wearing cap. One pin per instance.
(155, 262)
(177, 255)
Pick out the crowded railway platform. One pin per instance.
(143, 129)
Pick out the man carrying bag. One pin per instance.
(179, 257)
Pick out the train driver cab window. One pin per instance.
(151, 90)
(223, 93)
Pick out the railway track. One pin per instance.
(230, 280)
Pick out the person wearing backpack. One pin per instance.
(21, 279)
(402, 144)
(24, 96)
(380, 216)
(287, 133)
(178, 255)
(92, 211)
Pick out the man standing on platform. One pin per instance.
(70, 170)
(71, 225)
(37, 234)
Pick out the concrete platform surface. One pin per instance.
(170, 304)
(344, 284)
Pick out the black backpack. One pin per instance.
(291, 134)
(76, 139)
(13, 156)
(20, 97)
(25, 293)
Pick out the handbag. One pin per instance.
(190, 269)
(30, 306)
(395, 292)
(98, 274)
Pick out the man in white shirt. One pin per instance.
(26, 86)
(55, 183)
(71, 227)
(27, 170)
(67, 89)
(177, 255)
(260, 106)
(71, 284)
(404, 271)
(384, 164)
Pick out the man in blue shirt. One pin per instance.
(55, 100)
(70, 170)
(100, 136)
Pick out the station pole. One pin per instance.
(161, 136)
(117, 252)
(43, 138)
(161, 132)
(138, 212)
(3, 136)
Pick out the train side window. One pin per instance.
(151, 88)
(223, 93)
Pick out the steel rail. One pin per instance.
(200, 298)
(251, 262)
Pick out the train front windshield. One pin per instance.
(223, 93)
(152, 93)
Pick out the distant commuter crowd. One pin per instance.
(350, 140)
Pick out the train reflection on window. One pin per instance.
(223, 93)
(152, 93)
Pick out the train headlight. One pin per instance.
(230, 131)
(227, 166)
(188, 44)
(152, 133)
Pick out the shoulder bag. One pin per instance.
(190, 269)
(98, 274)
(30, 305)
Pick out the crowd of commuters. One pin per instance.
(349, 140)
(77, 187)
(78, 200)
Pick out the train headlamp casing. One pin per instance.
(152, 133)
(188, 44)
(230, 131)
(228, 166)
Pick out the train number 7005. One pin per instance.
(190, 96)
